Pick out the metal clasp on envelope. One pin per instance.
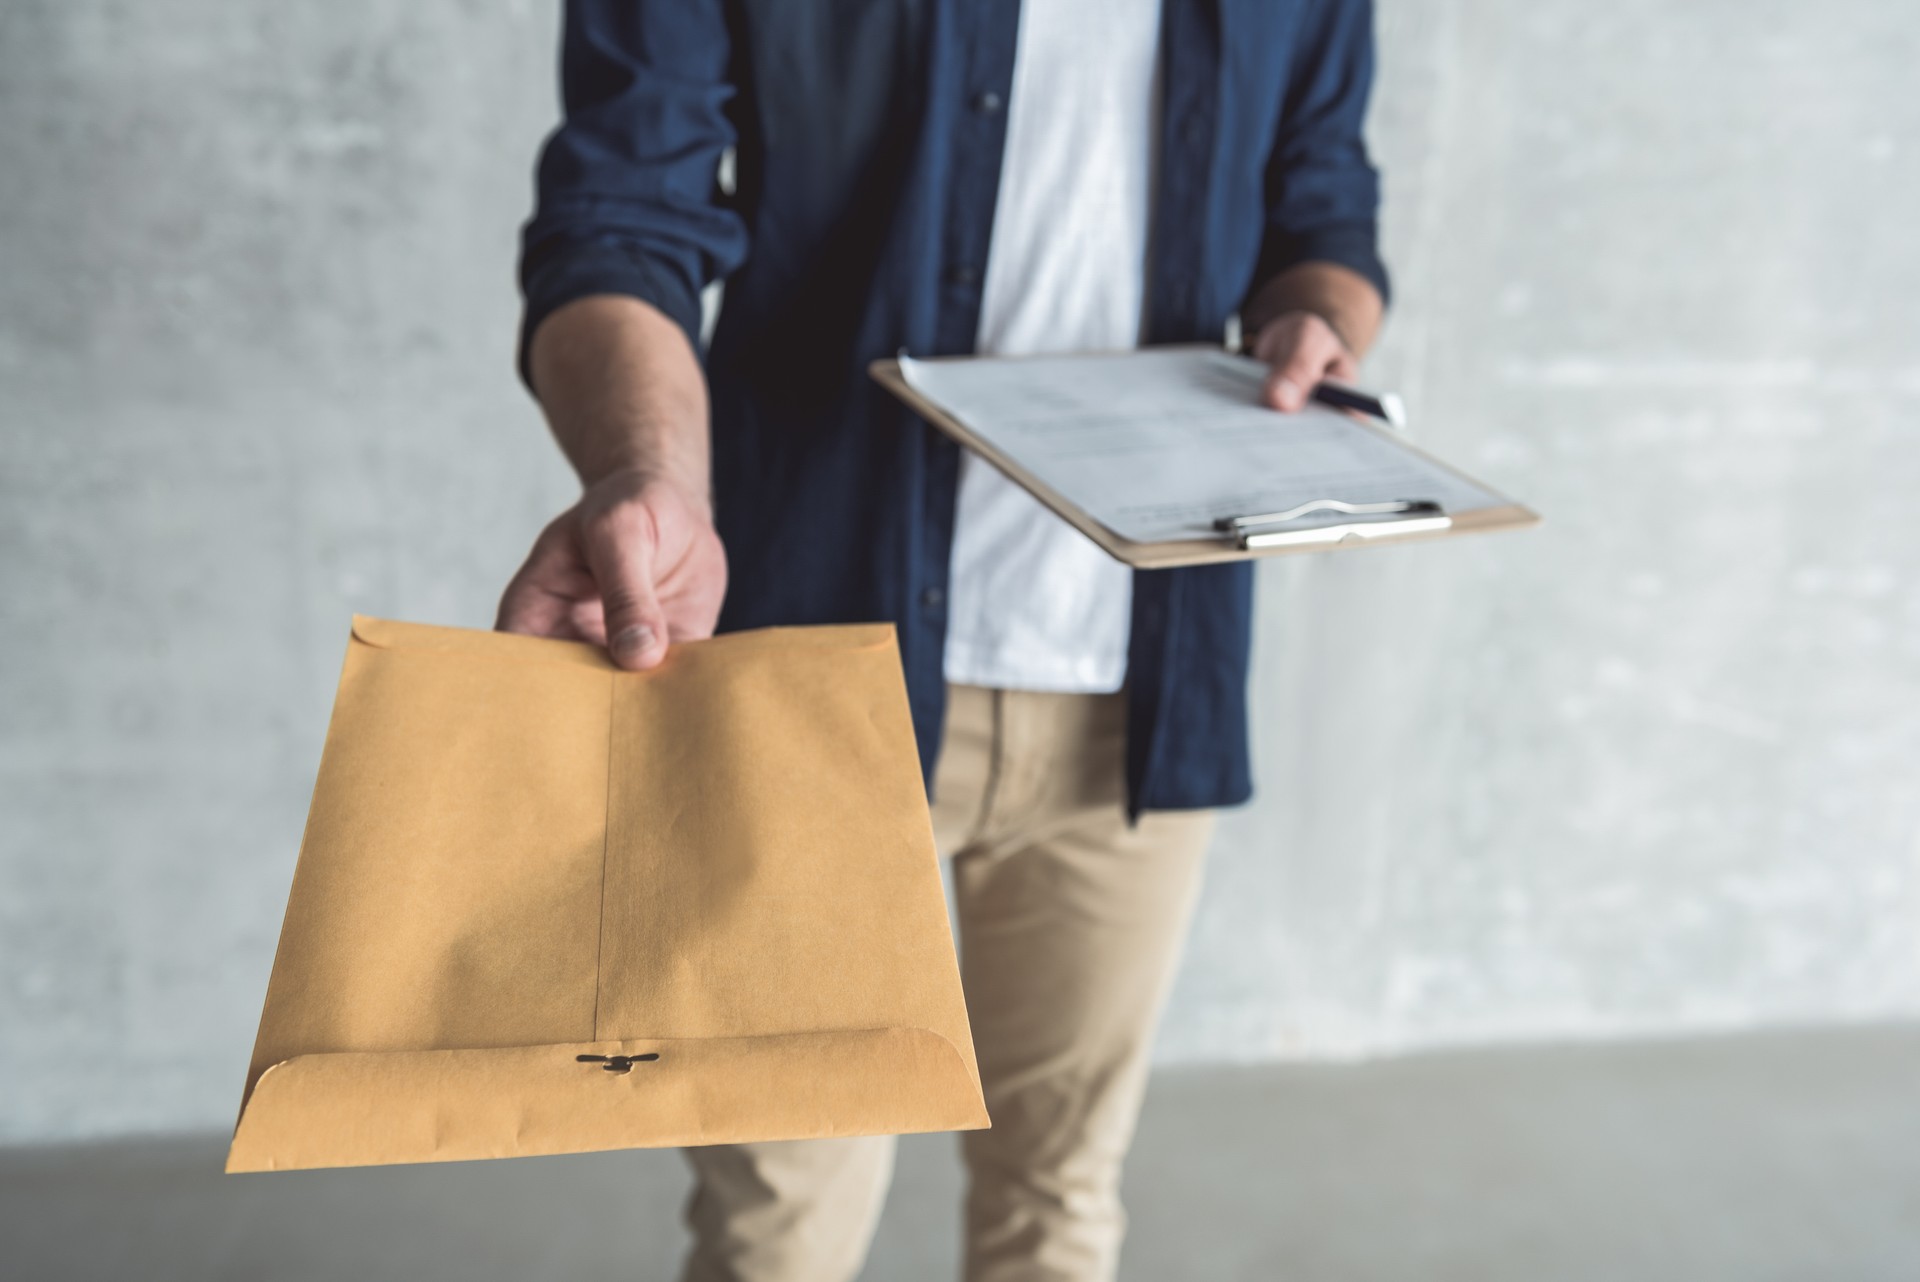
(1265, 530)
(617, 1063)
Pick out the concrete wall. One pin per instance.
(1642, 769)
(1650, 766)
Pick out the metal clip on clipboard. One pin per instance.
(1268, 529)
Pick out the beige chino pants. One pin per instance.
(1070, 926)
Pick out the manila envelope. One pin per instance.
(544, 905)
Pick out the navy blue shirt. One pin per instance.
(867, 137)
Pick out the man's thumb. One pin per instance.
(620, 555)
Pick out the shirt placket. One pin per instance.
(982, 36)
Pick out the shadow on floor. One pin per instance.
(1779, 1158)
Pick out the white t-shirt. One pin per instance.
(1033, 604)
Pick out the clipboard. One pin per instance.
(1319, 522)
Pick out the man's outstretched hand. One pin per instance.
(1300, 348)
(633, 565)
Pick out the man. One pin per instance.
(944, 176)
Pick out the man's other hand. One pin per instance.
(633, 565)
(1300, 348)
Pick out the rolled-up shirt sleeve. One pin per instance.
(628, 186)
(1323, 193)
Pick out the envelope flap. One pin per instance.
(363, 1108)
(389, 634)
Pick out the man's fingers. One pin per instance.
(540, 599)
(1301, 354)
(619, 543)
(1293, 381)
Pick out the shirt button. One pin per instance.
(963, 274)
(987, 102)
(932, 598)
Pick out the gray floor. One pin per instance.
(1787, 1158)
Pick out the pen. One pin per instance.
(1386, 407)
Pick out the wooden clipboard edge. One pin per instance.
(1179, 552)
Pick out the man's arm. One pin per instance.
(635, 563)
(628, 230)
(1320, 288)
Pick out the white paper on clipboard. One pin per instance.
(1158, 444)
